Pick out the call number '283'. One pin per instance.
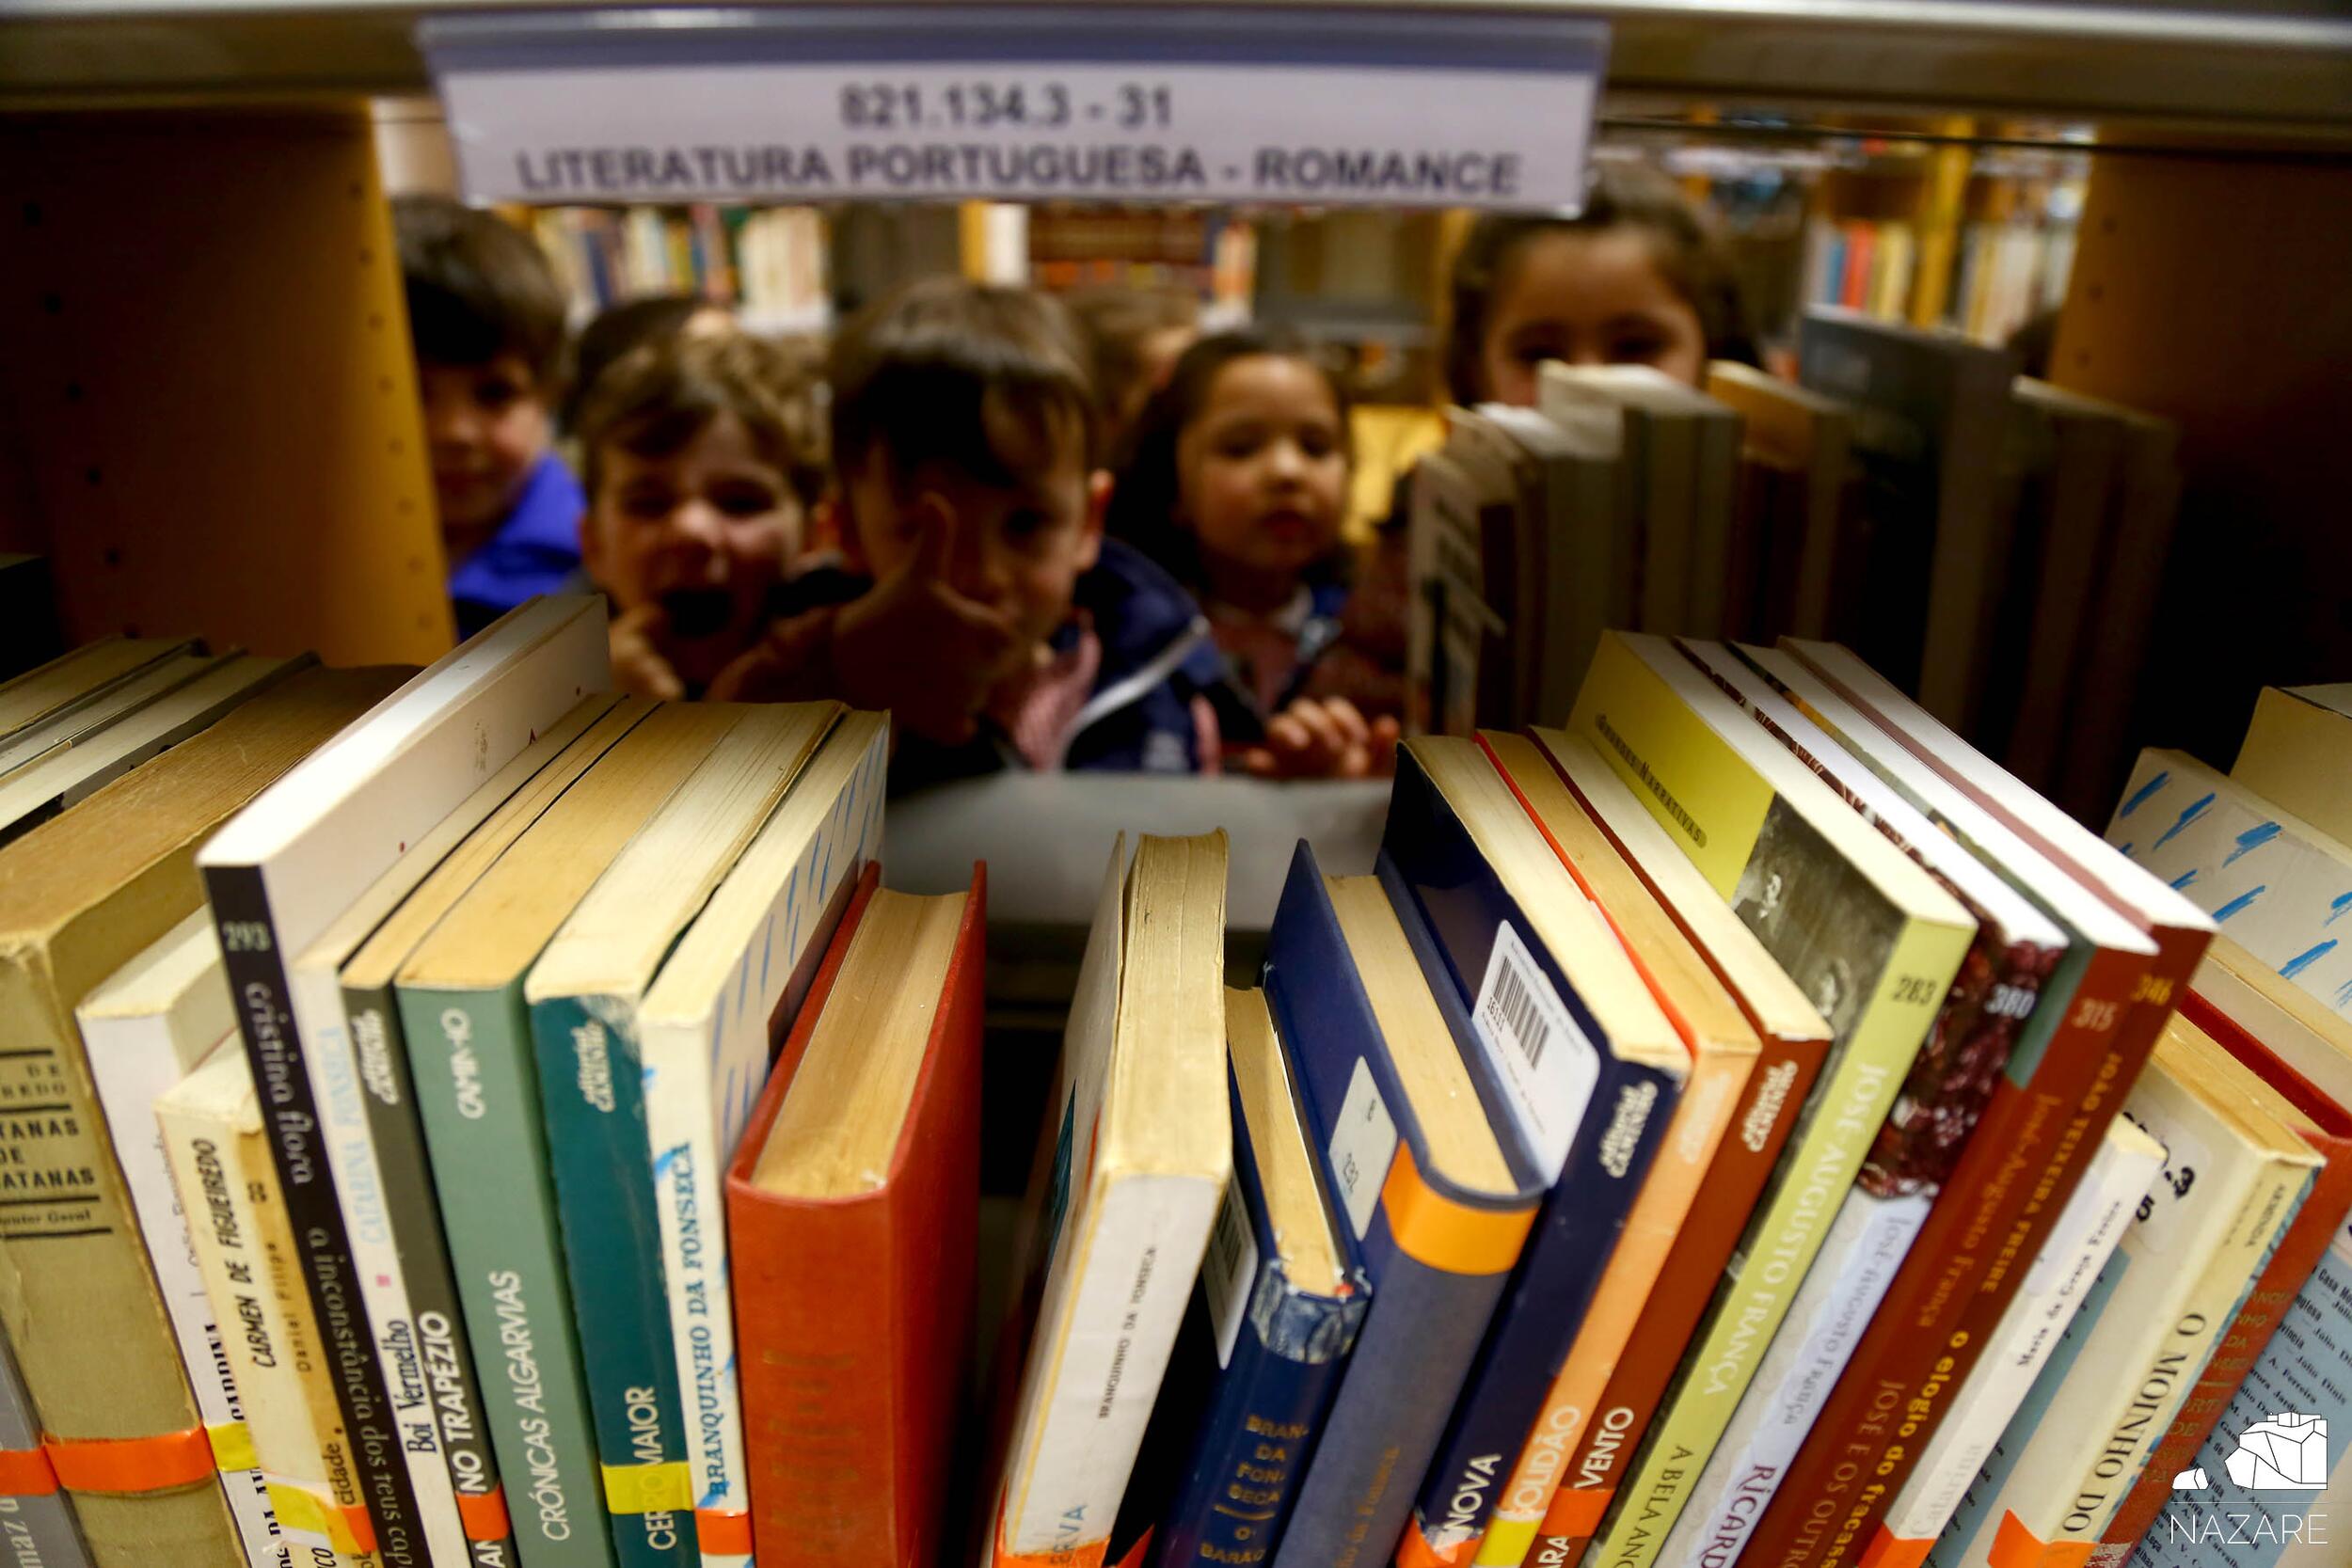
(979, 105)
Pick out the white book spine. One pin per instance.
(134, 1065)
(1866, 1245)
(1101, 1358)
(323, 1027)
(702, 1080)
(2077, 1248)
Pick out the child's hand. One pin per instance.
(1323, 739)
(640, 667)
(916, 646)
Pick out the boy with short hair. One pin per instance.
(486, 319)
(704, 455)
(990, 616)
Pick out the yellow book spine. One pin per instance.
(1701, 1117)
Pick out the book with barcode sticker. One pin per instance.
(1270, 1324)
(1590, 1072)
(1435, 1185)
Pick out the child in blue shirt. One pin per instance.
(486, 320)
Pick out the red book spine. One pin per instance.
(851, 1313)
(1920, 1406)
(2291, 1265)
(2030, 1135)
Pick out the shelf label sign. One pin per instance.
(1324, 108)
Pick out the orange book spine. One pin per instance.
(1767, 1114)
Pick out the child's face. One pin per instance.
(1263, 468)
(1019, 548)
(1587, 298)
(704, 530)
(486, 426)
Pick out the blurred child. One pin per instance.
(614, 331)
(1636, 279)
(703, 459)
(1135, 337)
(984, 608)
(1237, 482)
(488, 323)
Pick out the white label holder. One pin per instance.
(1311, 108)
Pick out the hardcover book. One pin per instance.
(1437, 1189)
(80, 896)
(1590, 1068)
(38, 1518)
(1562, 1488)
(1868, 934)
(863, 1151)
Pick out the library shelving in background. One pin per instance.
(210, 414)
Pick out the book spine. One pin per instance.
(1784, 1239)
(1572, 1486)
(1973, 1520)
(592, 1092)
(1545, 1302)
(2305, 1371)
(2078, 1248)
(2036, 1134)
(1417, 1339)
(240, 1248)
(134, 1066)
(1667, 1199)
(1129, 1284)
(2300, 1248)
(1269, 1409)
(256, 979)
(98, 1356)
(1898, 1433)
(1841, 1291)
(826, 1456)
(2165, 1377)
(35, 1520)
(478, 1097)
(323, 1030)
(443, 1346)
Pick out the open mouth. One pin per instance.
(698, 611)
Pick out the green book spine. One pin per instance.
(477, 1091)
(592, 1086)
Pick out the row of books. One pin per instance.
(1742, 1126)
(1909, 495)
(768, 263)
(2008, 272)
(396, 1173)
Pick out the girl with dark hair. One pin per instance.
(1236, 481)
(1637, 278)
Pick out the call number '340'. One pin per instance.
(979, 105)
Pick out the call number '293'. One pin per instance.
(979, 105)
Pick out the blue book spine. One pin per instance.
(591, 1089)
(1269, 1402)
(1426, 1320)
(1429, 864)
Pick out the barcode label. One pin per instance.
(1363, 1146)
(1229, 1271)
(1547, 1066)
